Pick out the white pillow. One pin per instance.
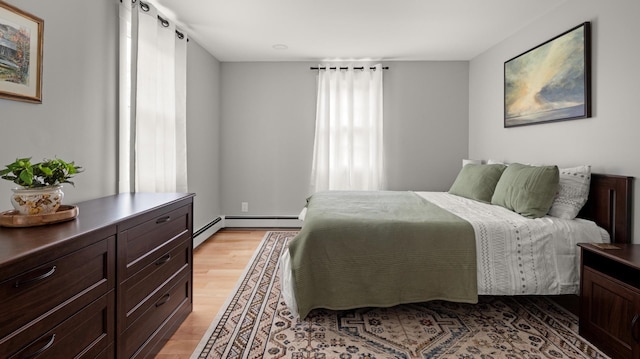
(468, 161)
(494, 162)
(573, 191)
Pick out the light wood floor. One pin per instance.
(218, 263)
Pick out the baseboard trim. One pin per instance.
(262, 221)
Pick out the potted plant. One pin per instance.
(40, 184)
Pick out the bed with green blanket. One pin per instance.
(383, 248)
(378, 249)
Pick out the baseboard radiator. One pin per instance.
(219, 223)
(262, 222)
(207, 231)
(206, 227)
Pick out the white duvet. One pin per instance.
(515, 255)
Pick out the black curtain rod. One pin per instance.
(345, 68)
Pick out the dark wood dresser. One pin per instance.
(610, 298)
(113, 283)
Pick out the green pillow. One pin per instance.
(527, 190)
(477, 181)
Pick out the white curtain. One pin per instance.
(152, 134)
(348, 151)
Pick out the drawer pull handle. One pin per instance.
(165, 298)
(42, 276)
(163, 260)
(634, 321)
(41, 350)
(163, 219)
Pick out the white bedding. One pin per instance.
(515, 255)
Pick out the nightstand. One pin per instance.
(610, 298)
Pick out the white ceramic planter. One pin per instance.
(35, 201)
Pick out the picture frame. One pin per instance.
(20, 54)
(550, 82)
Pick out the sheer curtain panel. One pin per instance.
(152, 133)
(348, 150)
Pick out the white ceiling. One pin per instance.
(246, 30)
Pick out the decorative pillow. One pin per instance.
(477, 181)
(527, 190)
(573, 192)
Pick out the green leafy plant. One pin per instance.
(49, 172)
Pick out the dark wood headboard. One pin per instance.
(610, 205)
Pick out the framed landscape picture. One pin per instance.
(551, 82)
(20, 54)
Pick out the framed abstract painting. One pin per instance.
(551, 82)
(20, 54)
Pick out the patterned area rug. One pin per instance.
(255, 323)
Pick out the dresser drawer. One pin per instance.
(108, 353)
(175, 262)
(86, 334)
(74, 280)
(141, 244)
(172, 297)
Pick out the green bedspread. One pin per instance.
(379, 249)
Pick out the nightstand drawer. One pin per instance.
(610, 299)
(77, 278)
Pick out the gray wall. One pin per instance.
(203, 135)
(77, 117)
(426, 127)
(607, 141)
(268, 112)
(268, 115)
(78, 120)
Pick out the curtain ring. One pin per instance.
(180, 35)
(164, 22)
(144, 6)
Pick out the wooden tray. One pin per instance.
(14, 219)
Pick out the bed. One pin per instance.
(337, 267)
